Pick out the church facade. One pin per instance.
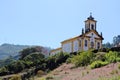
(89, 39)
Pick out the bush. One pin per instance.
(100, 56)
(3, 71)
(15, 77)
(40, 73)
(16, 66)
(83, 59)
(111, 57)
(97, 64)
(56, 60)
(68, 60)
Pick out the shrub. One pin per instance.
(56, 60)
(3, 71)
(42, 79)
(40, 73)
(100, 56)
(111, 57)
(15, 77)
(97, 64)
(68, 60)
(83, 59)
(16, 66)
(49, 77)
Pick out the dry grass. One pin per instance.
(66, 72)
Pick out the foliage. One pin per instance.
(115, 49)
(33, 59)
(27, 51)
(111, 57)
(97, 64)
(83, 59)
(100, 56)
(49, 77)
(107, 45)
(16, 66)
(40, 72)
(116, 40)
(3, 71)
(54, 61)
(15, 77)
(7, 61)
(43, 78)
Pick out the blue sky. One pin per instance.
(48, 22)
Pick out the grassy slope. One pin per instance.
(68, 72)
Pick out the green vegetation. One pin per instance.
(54, 61)
(95, 60)
(97, 64)
(82, 59)
(15, 77)
(40, 73)
(34, 62)
(111, 57)
(112, 78)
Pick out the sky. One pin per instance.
(48, 22)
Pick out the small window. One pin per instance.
(85, 43)
(92, 34)
(80, 43)
(98, 45)
(92, 26)
(92, 45)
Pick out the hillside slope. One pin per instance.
(68, 72)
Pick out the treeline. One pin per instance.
(115, 42)
(33, 58)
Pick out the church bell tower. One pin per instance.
(90, 24)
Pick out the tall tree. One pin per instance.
(116, 40)
(28, 51)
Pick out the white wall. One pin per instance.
(55, 52)
(67, 47)
(75, 45)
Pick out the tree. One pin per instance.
(16, 66)
(116, 40)
(34, 59)
(108, 45)
(28, 51)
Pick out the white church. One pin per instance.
(89, 39)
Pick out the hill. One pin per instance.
(69, 72)
(10, 50)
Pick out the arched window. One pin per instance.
(92, 26)
(92, 45)
(98, 45)
(85, 43)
